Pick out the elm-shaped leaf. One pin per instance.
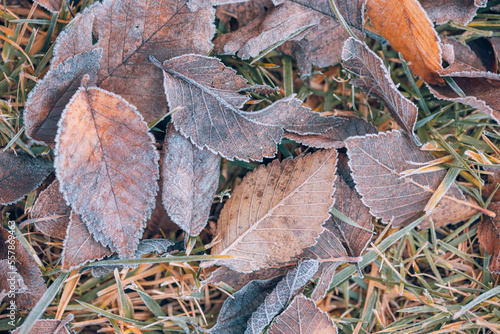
(107, 166)
(236, 311)
(488, 233)
(377, 163)
(205, 94)
(79, 246)
(20, 174)
(406, 26)
(190, 179)
(303, 317)
(459, 11)
(129, 31)
(376, 79)
(50, 96)
(276, 211)
(51, 213)
(281, 295)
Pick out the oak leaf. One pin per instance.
(303, 317)
(459, 11)
(51, 213)
(377, 163)
(34, 285)
(409, 30)
(129, 31)
(285, 290)
(276, 211)
(79, 246)
(376, 79)
(488, 233)
(236, 311)
(205, 94)
(50, 96)
(190, 179)
(107, 165)
(20, 174)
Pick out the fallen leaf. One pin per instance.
(276, 211)
(243, 12)
(451, 212)
(79, 246)
(190, 180)
(25, 266)
(493, 180)
(237, 280)
(10, 280)
(479, 54)
(205, 93)
(343, 170)
(107, 165)
(488, 233)
(377, 161)
(376, 79)
(459, 11)
(52, 326)
(50, 96)
(285, 290)
(129, 31)
(303, 317)
(20, 174)
(50, 203)
(409, 30)
(236, 311)
(53, 6)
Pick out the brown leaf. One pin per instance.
(488, 233)
(107, 165)
(49, 326)
(343, 170)
(31, 274)
(53, 6)
(205, 93)
(243, 12)
(479, 53)
(493, 180)
(303, 317)
(281, 295)
(409, 30)
(376, 79)
(450, 212)
(238, 280)
(190, 180)
(20, 174)
(80, 246)
(47, 100)
(10, 280)
(459, 11)
(334, 138)
(129, 31)
(51, 203)
(276, 211)
(377, 161)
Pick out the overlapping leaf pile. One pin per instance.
(125, 65)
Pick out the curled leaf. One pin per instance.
(276, 211)
(459, 11)
(190, 179)
(107, 166)
(20, 174)
(409, 30)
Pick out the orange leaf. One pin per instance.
(409, 30)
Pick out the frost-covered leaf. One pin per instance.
(236, 311)
(205, 93)
(281, 295)
(51, 213)
(107, 165)
(80, 246)
(242, 12)
(129, 31)
(303, 317)
(459, 11)
(376, 79)
(334, 138)
(46, 326)
(34, 285)
(51, 5)
(10, 280)
(488, 233)
(409, 30)
(190, 179)
(50, 96)
(478, 53)
(377, 162)
(20, 174)
(238, 280)
(276, 211)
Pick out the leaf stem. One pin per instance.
(342, 21)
